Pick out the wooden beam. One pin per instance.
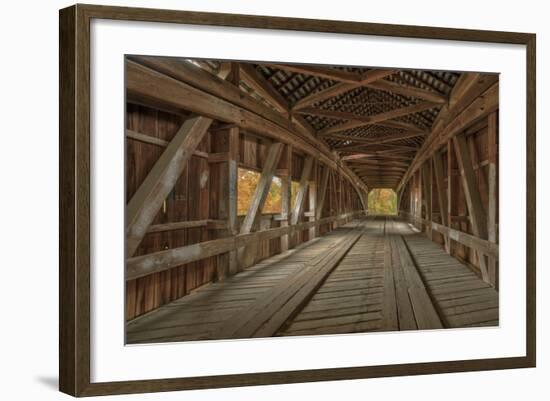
(450, 203)
(476, 165)
(182, 225)
(381, 117)
(427, 187)
(389, 298)
(470, 102)
(298, 207)
(286, 189)
(219, 157)
(492, 146)
(402, 125)
(378, 140)
(155, 88)
(140, 266)
(146, 202)
(441, 193)
(194, 80)
(469, 183)
(378, 148)
(263, 88)
(380, 163)
(477, 215)
(383, 169)
(477, 244)
(424, 311)
(405, 312)
(235, 77)
(232, 186)
(381, 174)
(410, 91)
(480, 245)
(312, 198)
(250, 222)
(375, 75)
(153, 140)
(322, 193)
(322, 95)
(468, 87)
(339, 88)
(334, 114)
(321, 72)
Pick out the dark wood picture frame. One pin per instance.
(74, 119)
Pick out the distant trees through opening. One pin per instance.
(382, 201)
(246, 185)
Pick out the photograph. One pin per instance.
(275, 199)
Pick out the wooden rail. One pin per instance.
(144, 265)
(488, 248)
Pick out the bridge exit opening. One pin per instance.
(382, 201)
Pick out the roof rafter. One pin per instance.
(267, 92)
(378, 147)
(379, 140)
(335, 90)
(321, 72)
(360, 121)
(389, 86)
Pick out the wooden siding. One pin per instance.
(197, 196)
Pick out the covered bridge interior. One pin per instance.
(204, 264)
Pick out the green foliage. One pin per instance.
(382, 201)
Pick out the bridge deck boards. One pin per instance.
(371, 275)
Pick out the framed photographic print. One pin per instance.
(251, 200)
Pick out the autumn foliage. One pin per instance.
(382, 201)
(246, 185)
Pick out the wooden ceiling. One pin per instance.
(376, 119)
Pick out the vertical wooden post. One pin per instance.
(312, 195)
(232, 166)
(450, 202)
(298, 207)
(340, 206)
(483, 191)
(412, 195)
(399, 198)
(219, 179)
(232, 176)
(492, 132)
(335, 194)
(235, 74)
(427, 186)
(252, 218)
(441, 193)
(322, 192)
(476, 213)
(286, 196)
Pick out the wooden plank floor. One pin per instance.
(350, 300)
(371, 275)
(202, 314)
(462, 298)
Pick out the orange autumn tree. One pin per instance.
(246, 185)
(382, 201)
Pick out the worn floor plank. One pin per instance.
(373, 275)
